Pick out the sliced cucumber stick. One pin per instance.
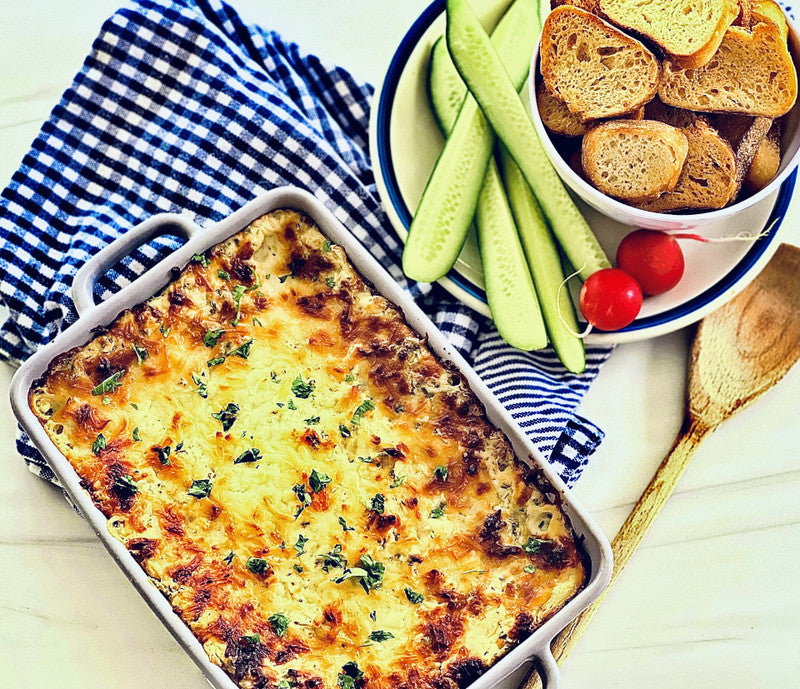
(482, 70)
(509, 288)
(545, 266)
(442, 219)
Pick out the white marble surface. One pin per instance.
(710, 599)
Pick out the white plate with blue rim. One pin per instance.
(405, 143)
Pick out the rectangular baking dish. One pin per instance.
(509, 671)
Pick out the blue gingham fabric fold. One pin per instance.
(182, 107)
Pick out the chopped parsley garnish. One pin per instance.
(533, 546)
(200, 488)
(344, 526)
(165, 331)
(135, 435)
(298, 569)
(216, 361)
(326, 246)
(227, 416)
(257, 565)
(413, 596)
(530, 569)
(253, 454)
(211, 338)
(106, 400)
(202, 386)
(110, 384)
(380, 635)
(349, 675)
(252, 639)
(399, 481)
(99, 444)
(366, 460)
(201, 259)
(311, 420)
(140, 352)
(441, 472)
(378, 503)
(300, 546)
(229, 558)
(284, 278)
(333, 559)
(163, 453)
(438, 512)
(291, 405)
(238, 293)
(301, 389)
(179, 447)
(303, 496)
(284, 684)
(126, 485)
(257, 322)
(223, 275)
(344, 430)
(330, 282)
(369, 574)
(317, 481)
(349, 378)
(363, 408)
(279, 623)
(243, 350)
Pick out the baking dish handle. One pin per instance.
(97, 265)
(547, 668)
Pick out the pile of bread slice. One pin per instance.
(676, 104)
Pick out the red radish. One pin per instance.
(610, 299)
(652, 258)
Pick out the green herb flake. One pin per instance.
(201, 259)
(441, 472)
(141, 353)
(284, 278)
(106, 400)
(530, 569)
(110, 384)
(326, 246)
(363, 408)
(333, 559)
(126, 485)
(349, 675)
(370, 574)
(163, 453)
(349, 378)
(366, 460)
(533, 546)
(243, 350)
(99, 444)
(291, 405)
(223, 275)
(344, 526)
(216, 361)
(438, 512)
(378, 503)
(252, 454)
(228, 559)
(413, 596)
(200, 488)
(301, 389)
(257, 322)
(135, 435)
(300, 546)
(257, 565)
(202, 386)
(227, 416)
(303, 496)
(179, 447)
(344, 431)
(317, 481)
(279, 623)
(211, 338)
(251, 639)
(165, 331)
(237, 293)
(312, 420)
(330, 282)
(380, 635)
(399, 481)
(298, 569)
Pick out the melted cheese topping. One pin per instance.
(321, 500)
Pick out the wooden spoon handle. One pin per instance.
(633, 530)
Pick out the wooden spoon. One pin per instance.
(738, 353)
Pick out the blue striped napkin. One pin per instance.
(182, 107)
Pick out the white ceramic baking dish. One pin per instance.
(506, 673)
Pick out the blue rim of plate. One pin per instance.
(385, 104)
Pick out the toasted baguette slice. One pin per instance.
(594, 68)
(634, 160)
(765, 162)
(708, 179)
(751, 74)
(556, 115)
(770, 12)
(689, 30)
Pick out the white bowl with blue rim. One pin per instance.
(405, 143)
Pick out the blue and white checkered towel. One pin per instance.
(182, 107)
